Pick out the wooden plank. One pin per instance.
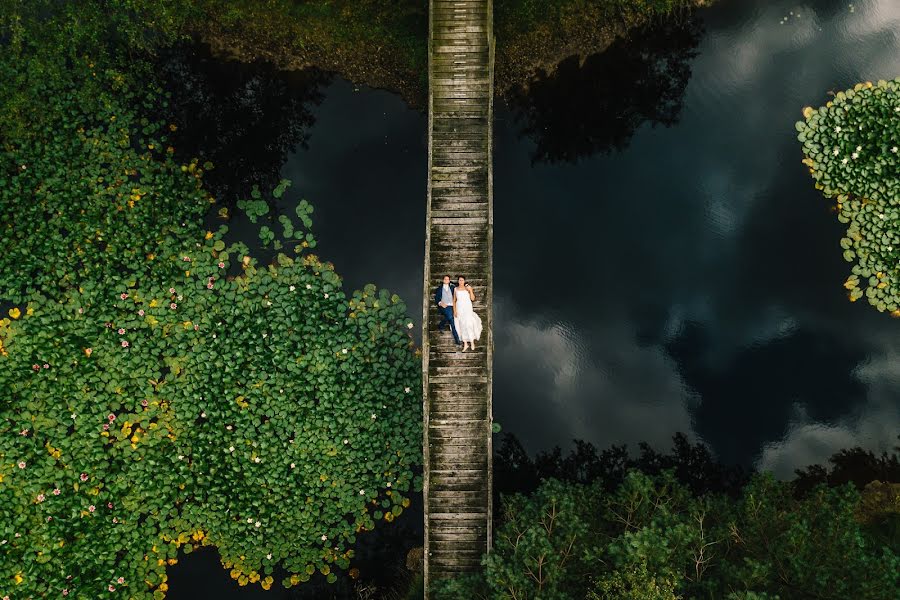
(457, 385)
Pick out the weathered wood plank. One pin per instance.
(457, 385)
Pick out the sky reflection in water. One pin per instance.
(662, 260)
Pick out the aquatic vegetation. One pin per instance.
(161, 389)
(265, 414)
(852, 148)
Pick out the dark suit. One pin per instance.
(447, 311)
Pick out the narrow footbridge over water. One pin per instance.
(459, 239)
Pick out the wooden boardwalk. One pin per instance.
(459, 240)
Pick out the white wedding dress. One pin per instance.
(468, 324)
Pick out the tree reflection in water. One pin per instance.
(245, 118)
(595, 106)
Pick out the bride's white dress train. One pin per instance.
(468, 324)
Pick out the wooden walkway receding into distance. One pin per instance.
(459, 240)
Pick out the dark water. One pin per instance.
(662, 260)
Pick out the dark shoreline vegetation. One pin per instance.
(656, 526)
(384, 44)
(152, 386)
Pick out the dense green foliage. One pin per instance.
(852, 148)
(652, 539)
(102, 190)
(161, 389)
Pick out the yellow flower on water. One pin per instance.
(209, 235)
(18, 578)
(29, 311)
(15, 313)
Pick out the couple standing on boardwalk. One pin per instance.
(454, 301)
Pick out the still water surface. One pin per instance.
(650, 277)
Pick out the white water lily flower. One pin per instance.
(292, 288)
(257, 460)
(844, 161)
(231, 448)
(249, 519)
(257, 524)
(407, 390)
(373, 416)
(854, 156)
(836, 151)
(859, 148)
(269, 556)
(837, 129)
(309, 287)
(894, 149)
(362, 492)
(344, 351)
(324, 537)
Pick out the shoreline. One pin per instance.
(522, 57)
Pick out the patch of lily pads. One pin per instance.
(162, 390)
(852, 149)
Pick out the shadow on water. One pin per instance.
(248, 116)
(595, 106)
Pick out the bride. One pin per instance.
(468, 324)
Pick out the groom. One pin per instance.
(443, 297)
